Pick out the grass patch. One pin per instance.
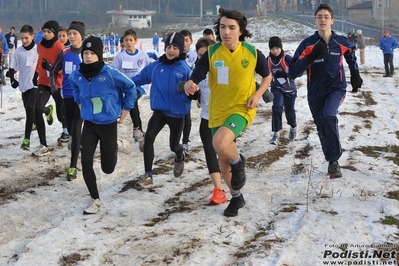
(356, 128)
(361, 114)
(301, 154)
(368, 98)
(297, 169)
(367, 124)
(377, 151)
(289, 208)
(28, 184)
(333, 213)
(390, 220)
(72, 259)
(178, 206)
(308, 128)
(304, 152)
(258, 243)
(393, 194)
(266, 159)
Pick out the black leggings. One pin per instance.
(157, 121)
(186, 128)
(91, 134)
(74, 125)
(43, 95)
(135, 115)
(60, 108)
(29, 100)
(210, 153)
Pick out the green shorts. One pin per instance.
(235, 123)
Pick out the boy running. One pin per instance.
(24, 60)
(103, 94)
(169, 105)
(130, 62)
(321, 56)
(232, 64)
(48, 49)
(67, 61)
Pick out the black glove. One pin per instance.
(356, 80)
(180, 86)
(35, 76)
(46, 65)
(10, 73)
(56, 93)
(318, 49)
(281, 74)
(14, 83)
(268, 96)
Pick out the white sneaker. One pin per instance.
(137, 134)
(274, 139)
(94, 206)
(124, 146)
(42, 151)
(185, 148)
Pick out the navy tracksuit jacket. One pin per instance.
(326, 85)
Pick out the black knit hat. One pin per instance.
(78, 27)
(52, 25)
(275, 42)
(94, 44)
(177, 39)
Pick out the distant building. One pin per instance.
(361, 11)
(279, 6)
(139, 19)
(388, 11)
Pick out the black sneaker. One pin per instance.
(63, 138)
(238, 177)
(235, 204)
(334, 170)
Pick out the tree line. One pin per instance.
(92, 12)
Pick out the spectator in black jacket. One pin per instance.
(12, 42)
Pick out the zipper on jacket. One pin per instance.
(327, 61)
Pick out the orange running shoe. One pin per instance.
(219, 196)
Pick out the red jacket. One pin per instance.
(50, 54)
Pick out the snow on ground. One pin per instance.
(295, 215)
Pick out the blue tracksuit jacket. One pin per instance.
(388, 44)
(327, 72)
(164, 96)
(103, 98)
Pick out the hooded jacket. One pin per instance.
(103, 97)
(164, 96)
(388, 44)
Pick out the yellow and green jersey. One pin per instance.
(231, 82)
